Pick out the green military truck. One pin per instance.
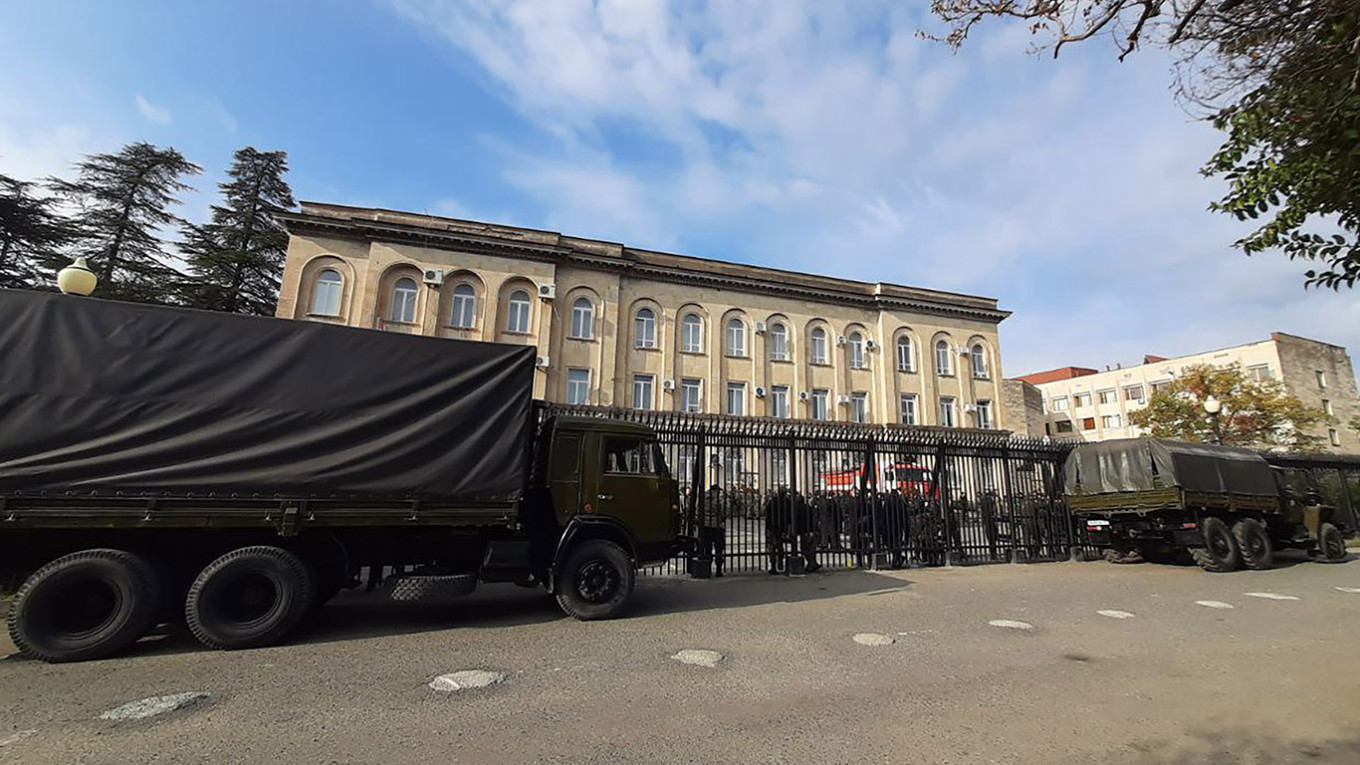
(1145, 498)
(234, 473)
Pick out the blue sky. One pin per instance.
(800, 134)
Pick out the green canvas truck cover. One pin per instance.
(1144, 464)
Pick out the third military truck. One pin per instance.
(233, 473)
(1148, 498)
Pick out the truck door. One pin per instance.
(633, 487)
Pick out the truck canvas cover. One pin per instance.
(1144, 464)
(117, 397)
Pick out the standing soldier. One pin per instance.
(778, 518)
(712, 527)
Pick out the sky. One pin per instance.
(824, 137)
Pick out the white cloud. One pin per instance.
(156, 114)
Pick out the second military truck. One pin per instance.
(1143, 498)
(234, 473)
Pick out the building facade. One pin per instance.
(1090, 405)
(620, 326)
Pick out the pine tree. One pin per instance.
(236, 260)
(124, 199)
(31, 233)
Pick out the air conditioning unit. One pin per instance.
(870, 344)
(760, 392)
(962, 351)
(668, 385)
(433, 276)
(840, 339)
(547, 291)
(541, 362)
(760, 328)
(970, 407)
(804, 396)
(842, 399)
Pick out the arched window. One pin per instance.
(464, 307)
(779, 342)
(583, 319)
(736, 337)
(979, 359)
(517, 319)
(855, 343)
(404, 294)
(326, 293)
(906, 360)
(943, 361)
(817, 345)
(644, 328)
(692, 334)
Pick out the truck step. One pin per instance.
(433, 587)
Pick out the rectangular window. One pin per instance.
(1259, 372)
(1088, 423)
(1081, 400)
(583, 319)
(1158, 386)
(1327, 407)
(1334, 436)
(643, 386)
(690, 391)
(1059, 404)
(1133, 393)
(984, 413)
(578, 386)
(627, 455)
(818, 346)
(906, 360)
(821, 400)
(947, 413)
(1063, 426)
(1111, 421)
(644, 328)
(1107, 396)
(1321, 379)
(779, 401)
(859, 407)
(779, 343)
(736, 398)
(736, 338)
(692, 334)
(908, 404)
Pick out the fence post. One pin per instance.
(871, 501)
(1006, 486)
(951, 557)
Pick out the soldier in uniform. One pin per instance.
(712, 527)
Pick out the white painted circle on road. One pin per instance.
(1348, 589)
(872, 638)
(466, 680)
(1113, 614)
(1011, 624)
(1213, 604)
(156, 705)
(1269, 595)
(699, 657)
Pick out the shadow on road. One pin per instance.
(1248, 745)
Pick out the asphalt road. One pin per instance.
(1270, 681)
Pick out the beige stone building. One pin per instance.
(1091, 405)
(622, 326)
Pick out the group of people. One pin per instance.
(909, 528)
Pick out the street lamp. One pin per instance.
(77, 278)
(1214, 408)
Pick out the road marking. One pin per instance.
(466, 680)
(1011, 624)
(1348, 589)
(1269, 595)
(699, 657)
(873, 638)
(16, 737)
(1116, 614)
(1213, 604)
(156, 705)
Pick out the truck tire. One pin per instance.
(86, 605)
(596, 581)
(1331, 543)
(1254, 544)
(249, 598)
(1219, 553)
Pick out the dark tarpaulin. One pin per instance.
(107, 396)
(1143, 464)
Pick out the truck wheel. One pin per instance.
(596, 581)
(86, 605)
(1254, 544)
(1331, 543)
(1219, 553)
(249, 598)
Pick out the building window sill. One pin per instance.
(781, 360)
(736, 356)
(311, 315)
(944, 374)
(649, 348)
(820, 364)
(514, 333)
(581, 339)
